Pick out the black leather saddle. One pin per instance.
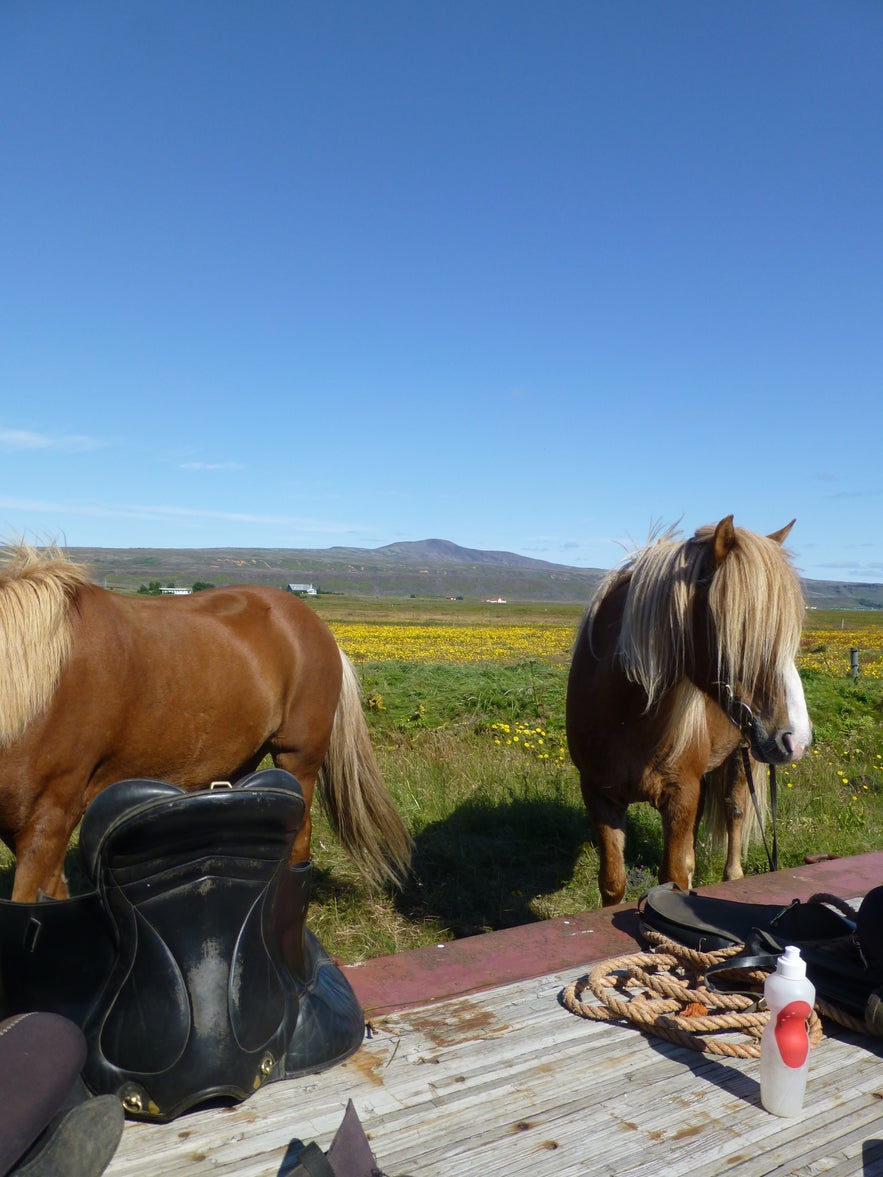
(189, 965)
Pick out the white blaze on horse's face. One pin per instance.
(801, 728)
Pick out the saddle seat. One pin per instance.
(189, 965)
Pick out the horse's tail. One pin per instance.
(356, 800)
(716, 785)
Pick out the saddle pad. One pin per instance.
(709, 924)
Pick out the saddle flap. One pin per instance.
(128, 1034)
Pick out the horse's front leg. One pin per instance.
(39, 859)
(300, 848)
(306, 778)
(679, 810)
(608, 821)
(735, 800)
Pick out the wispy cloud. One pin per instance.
(839, 570)
(855, 494)
(26, 439)
(212, 466)
(151, 511)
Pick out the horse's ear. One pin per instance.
(781, 535)
(724, 538)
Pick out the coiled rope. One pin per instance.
(663, 992)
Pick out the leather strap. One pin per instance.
(761, 951)
(312, 1163)
(772, 855)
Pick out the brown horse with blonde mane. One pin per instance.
(96, 687)
(687, 651)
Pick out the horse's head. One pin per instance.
(749, 613)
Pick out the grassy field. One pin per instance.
(466, 707)
(469, 727)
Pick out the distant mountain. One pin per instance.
(832, 594)
(425, 568)
(429, 551)
(422, 568)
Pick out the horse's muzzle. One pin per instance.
(781, 747)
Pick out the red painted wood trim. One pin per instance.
(460, 967)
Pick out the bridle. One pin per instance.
(741, 716)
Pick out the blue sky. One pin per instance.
(530, 276)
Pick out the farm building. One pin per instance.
(306, 590)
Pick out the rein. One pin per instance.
(740, 714)
(772, 856)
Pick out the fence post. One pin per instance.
(853, 663)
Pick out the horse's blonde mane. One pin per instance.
(36, 587)
(754, 598)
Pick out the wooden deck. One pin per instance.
(473, 1068)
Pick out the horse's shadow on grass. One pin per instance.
(483, 867)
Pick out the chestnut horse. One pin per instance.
(96, 687)
(687, 651)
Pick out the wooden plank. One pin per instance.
(509, 1081)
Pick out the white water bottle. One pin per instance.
(784, 1044)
